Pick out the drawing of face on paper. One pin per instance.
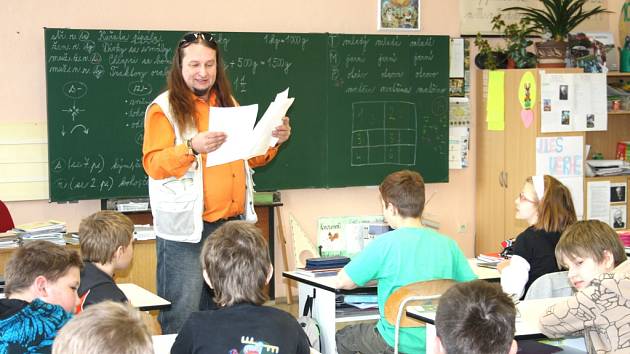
(527, 97)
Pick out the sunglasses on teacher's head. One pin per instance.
(194, 36)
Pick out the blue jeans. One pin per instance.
(179, 279)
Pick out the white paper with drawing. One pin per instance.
(237, 123)
(572, 102)
(270, 120)
(563, 157)
(598, 196)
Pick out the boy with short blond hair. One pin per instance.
(599, 270)
(107, 327)
(236, 264)
(409, 254)
(106, 246)
(41, 293)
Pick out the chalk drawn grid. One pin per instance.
(384, 133)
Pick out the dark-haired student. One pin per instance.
(476, 317)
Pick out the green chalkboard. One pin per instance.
(365, 105)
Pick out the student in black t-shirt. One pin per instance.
(237, 266)
(106, 246)
(546, 204)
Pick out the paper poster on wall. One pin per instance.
(573, 102)
(562, 157)
(527, 98)
(347, 236)
(458, 132)
(597, 195)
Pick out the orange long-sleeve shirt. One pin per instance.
(223, 185)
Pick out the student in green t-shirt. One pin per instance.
(409, 254)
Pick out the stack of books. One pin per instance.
(489, 260)
(72, 238)
(607, 167)
(143, 232)
(323, 266)
(50, 230)
(9, 239)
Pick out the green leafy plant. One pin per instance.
(516, 40)
(486, 52)
(557, 17)
(516, 43)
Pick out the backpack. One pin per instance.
(309, 325)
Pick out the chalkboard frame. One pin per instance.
(303, 162)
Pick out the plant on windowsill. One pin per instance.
(516, 42)
(514, 55)
(555, 20)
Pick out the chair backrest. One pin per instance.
(421, 288)
(555, 284)
(6, 221)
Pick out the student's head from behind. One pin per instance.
(587, 249)
(475, 317)
(106, 237)
(44, 270)
(106, 327)
(545, 203)
(402, 194)
(236, 264)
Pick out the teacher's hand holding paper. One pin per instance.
(206, 142)
(283, 131)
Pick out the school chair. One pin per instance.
(6, 221)
(555, 284)
(412, 294)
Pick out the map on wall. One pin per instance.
(475, 15)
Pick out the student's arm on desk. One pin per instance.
(566, 317)
(343, 281)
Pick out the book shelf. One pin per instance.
(605, 142)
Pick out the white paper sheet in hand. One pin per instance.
(265, 126)
(237, 124)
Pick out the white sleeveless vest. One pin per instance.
(177, 203)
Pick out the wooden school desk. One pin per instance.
(142, 299)
(142, 270)
(324, 309)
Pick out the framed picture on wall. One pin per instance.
(618, 217)
(617, 192)
(399, 15)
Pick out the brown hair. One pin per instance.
(106, 327)
(237, 261)
(101, 234)
(405, 191)
(555, 210)
(179, 94)
(38, 258)
(589, 239)
(476, 317)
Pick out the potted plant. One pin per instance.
(488, 57)
(516, 42)
(514, 55)
(556, 20)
